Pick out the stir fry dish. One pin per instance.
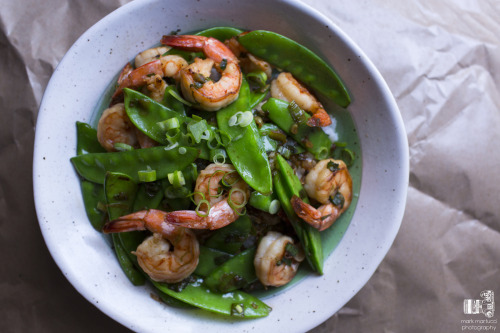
(212, 171)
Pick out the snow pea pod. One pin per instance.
(246, 149)
(220, 33)
(120, 192)
(234, 238)
(146, 114)
(171, 102)
(235, 303)
(313, 139)
(93, 197)
(287, 184)
(209, 260)
(235, 273)
(87, 140)
(92, 193)
(304, 64)
(94, 166)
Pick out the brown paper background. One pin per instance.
(441, 60)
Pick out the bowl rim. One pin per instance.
(402, 146)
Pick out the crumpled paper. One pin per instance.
(440, 59)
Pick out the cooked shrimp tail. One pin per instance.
(220, 215)
(211, 47)
(320, 218)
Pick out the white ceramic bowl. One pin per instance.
(79, 81)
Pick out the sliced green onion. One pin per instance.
(207, 135)
(322, 153)
(182, 150)
(233, 178)
(224, 137)
(122, 146)
(274, 207)
(176, 178)
(234, 205)
(178, 97)
(197, 129)
(241, 118)
(259, 77)
(192, 195)
(172, 146)
(266, 203)
(198, 208)
(218, 156)
(148, 175)
(169, 124)
(347, 156)
(214, 142)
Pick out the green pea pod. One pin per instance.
(235, 273)
(171, 102)
(92, 194)
(94, 166)
(87, 140)
(235, 303)
(233, 238)
(267, 203)
(120, 191)
(146, 114)
(150, 195)
(209, 260)
(257, 96)
(93, 197)
(287, 184)
(134, 276)
(220, 33)
(292, 57)
(246, 149)
(313, 139)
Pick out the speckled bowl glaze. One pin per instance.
(86, 258)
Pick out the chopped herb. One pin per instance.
(223, 64)
(338, 200)
(333, 167)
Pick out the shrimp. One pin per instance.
(225, 208)
(330, 183)
(148, 74)
(154, 254)
(149, 55)
(275, 263)
(195, 80)
(287, 88)
(115, 127)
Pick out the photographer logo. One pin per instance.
(485, 306)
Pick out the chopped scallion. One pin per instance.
(146, 176)
(123, 146)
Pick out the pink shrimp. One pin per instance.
(329, 183)
(154, 254)
(149, 74)
(196, 85)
